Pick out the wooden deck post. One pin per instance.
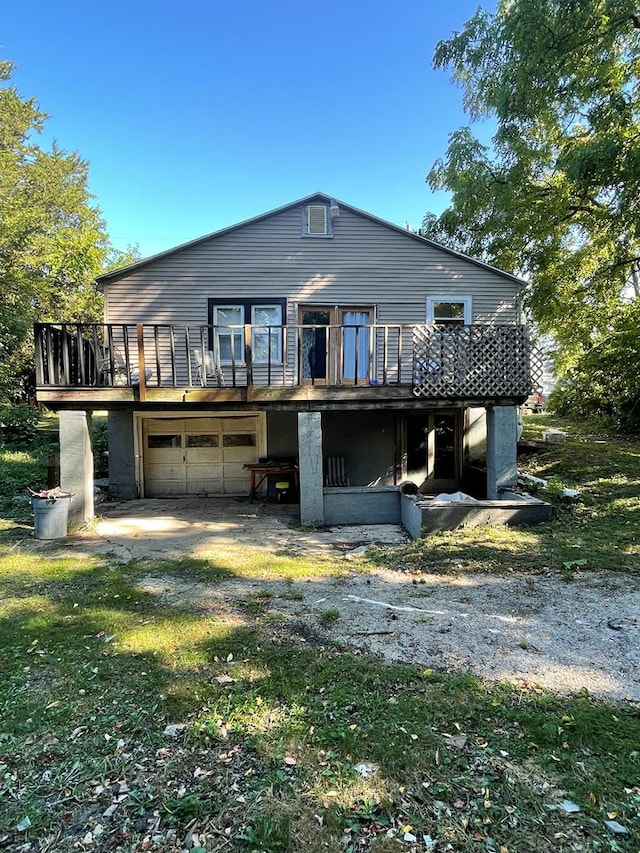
(248, 360)
(142, 379)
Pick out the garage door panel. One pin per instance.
(164, 488)
(164, 457)
(247, 423)
(198, 456)
(205, 487)
(156, 425)
(235, 487)
(235, 470)
(166, 472)
(204, 425)
(239, 454)
(204, 472)
(203, 456)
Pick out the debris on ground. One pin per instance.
(616, 828)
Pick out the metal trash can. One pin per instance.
(51, 516)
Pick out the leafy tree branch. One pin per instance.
(53, 240)
(555, 197)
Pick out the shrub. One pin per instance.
(18, 424)
(100, 444)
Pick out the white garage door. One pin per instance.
(198, 456)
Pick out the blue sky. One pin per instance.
(200, 114)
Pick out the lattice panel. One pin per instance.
(474, 361)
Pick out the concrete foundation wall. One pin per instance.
(362, 505)
(420, 519)
(122, 462)
(410, 516)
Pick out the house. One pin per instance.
(326, 349)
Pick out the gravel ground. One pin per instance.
(531, 629)
(536, 631)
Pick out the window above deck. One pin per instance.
(449, 310)
(228, 317)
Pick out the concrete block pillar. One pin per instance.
(122, 459)
(76, 464)
(502, 449)
(311, 469)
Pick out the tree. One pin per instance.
(555, 197)
(53, 242)
(604, 379)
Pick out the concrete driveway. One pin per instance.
(183, 527)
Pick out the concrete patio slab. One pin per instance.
(181, 527)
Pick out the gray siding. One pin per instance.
(364, 263)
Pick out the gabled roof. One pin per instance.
(318, 196)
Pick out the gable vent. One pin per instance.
(317, 218)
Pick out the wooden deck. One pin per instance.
(363, 366)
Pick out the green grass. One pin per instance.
(27, 467)
(601, 528)
(93, 668)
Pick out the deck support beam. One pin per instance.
(311, 468)
(502, 449)
(76, 463)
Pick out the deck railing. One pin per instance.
(432, 361)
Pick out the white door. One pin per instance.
(198, 456)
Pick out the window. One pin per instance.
(241, 439)
(316, 221)
(266, 316)
(230, 340)
(206, 440)
(267, 333)
(449, 310)
(156, 441)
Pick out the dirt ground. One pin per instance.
(536, 630)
